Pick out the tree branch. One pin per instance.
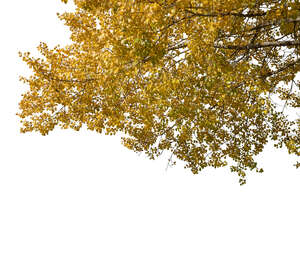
(281, 69)
(249, 15)
(261, 45)
(271, 23)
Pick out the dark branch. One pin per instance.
(261, 45)
(272, 23)
(281, 69)
(249, 15)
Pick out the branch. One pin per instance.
(182, 45)
(281, 69)
(271, 23)
(226, 14)
(261, 45)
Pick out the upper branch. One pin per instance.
(260, 45)
(246, 15)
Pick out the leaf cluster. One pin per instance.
(195, 78)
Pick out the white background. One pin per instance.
(81, 194)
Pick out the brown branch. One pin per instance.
(277, 22)
(281, 69)
(249, 15)
(182, 45)
(261, 45)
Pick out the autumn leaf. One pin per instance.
(197, 79)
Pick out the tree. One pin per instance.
(195, 78)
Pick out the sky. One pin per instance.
(83, 194)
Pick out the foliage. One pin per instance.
(195, 78)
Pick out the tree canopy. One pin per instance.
(209, 81)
